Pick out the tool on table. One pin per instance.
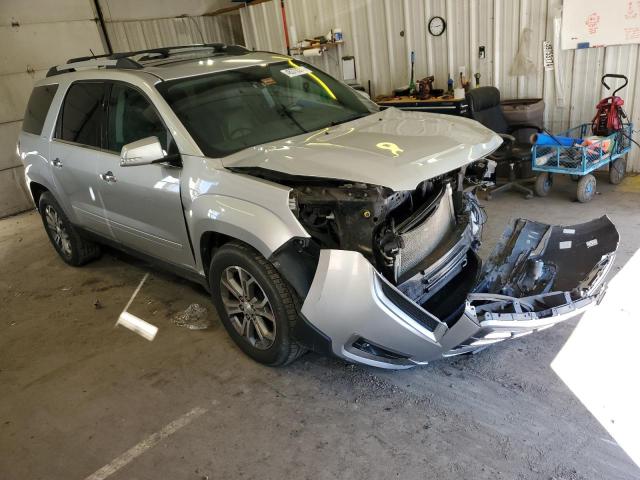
(425, 88)
(464, 83)
(412, 85)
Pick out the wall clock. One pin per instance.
(437, 26)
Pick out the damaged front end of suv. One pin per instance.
(394, 279)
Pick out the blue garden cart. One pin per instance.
(580, 160)
(587, 147)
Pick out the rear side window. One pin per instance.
(37, 108)
(82, 114)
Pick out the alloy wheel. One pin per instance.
(248, 307)
(58, 231)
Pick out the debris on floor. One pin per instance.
(137, 325)
(97, 304)
(194, 317)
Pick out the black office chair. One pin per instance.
(484, 103)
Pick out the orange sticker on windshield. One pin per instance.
(268, 81)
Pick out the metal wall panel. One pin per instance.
(29, 12)
(140, 34)
(124, 10)
(14, 197)
(30, 44)
(372, 31)
(8, 135)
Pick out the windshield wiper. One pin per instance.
(285, 111)
(354, 117)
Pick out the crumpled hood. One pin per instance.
(392, 148)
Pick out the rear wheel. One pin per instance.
(617, 169)
(543, 184)
(70, 245)
(586, 188)
(256, 305)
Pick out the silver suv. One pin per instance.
(315, 220)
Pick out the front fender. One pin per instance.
(243, 220)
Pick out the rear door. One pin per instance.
(76, 150)
(142, 203)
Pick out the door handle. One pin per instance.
(56, 162)
(108, 177)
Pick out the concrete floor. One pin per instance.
(76, 393)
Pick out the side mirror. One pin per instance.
(144, 152)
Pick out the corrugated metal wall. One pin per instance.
(128, 35)
(381, 33)
(162, 23)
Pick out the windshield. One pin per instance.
(228, 111)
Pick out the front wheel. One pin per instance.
(256, 305)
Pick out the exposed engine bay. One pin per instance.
(408, 236)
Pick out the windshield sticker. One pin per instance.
(569, 231)
(295, 72)
(592, 243)
(565, 245)
(267, 81)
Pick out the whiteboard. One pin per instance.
(597, 23)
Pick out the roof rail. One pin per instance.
(98, 61)
(164, 52)
(123, 60)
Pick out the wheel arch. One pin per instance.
(37, 189)
(210, 241)
(214, 220)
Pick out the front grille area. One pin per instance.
(421, 316)
(423, 239)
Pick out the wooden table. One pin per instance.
(450, 106)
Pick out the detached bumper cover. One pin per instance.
(530, 283)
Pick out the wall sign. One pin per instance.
(547, 56)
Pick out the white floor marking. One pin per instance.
(136, 324)
(149, 442)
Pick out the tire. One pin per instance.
(617, 169)
(65, 238)
(586, 188)
(543, 184)
(264, 333)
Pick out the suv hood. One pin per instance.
(392, 148)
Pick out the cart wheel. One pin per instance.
(617, 169)
(586, 188)
(543, 184)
